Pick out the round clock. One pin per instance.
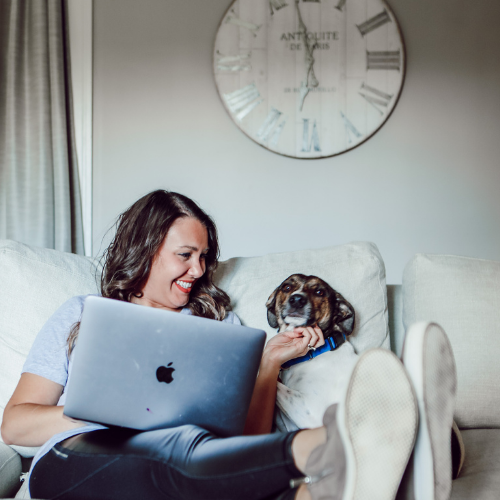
(309, 78)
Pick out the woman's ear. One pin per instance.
(271, 307)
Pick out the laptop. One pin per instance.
(146, 368)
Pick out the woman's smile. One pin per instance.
(184, 286)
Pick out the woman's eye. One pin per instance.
(185, 255)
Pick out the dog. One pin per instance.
(308, 386)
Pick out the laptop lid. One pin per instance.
(146, 368)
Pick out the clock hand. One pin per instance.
(311, 80)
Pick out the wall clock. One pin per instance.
(309, 78)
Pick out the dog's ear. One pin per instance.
(271, 306)
(344, 317)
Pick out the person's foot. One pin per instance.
(370, 434)
(429, 361)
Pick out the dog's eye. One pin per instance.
(319, 292)
(287, 288)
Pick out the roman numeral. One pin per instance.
(233, 19)
(351, 130)
(233, 63)
(375, 97)
(314, 142)
(270, 130)
(383, 59)
(277, 5)
(374, 23)
(242, 101)
(340, 5)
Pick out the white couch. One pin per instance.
(461, 294)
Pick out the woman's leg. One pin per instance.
(370, 435)
(369, 440)
(428, 358)
(182, 463)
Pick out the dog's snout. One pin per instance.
(297, 301)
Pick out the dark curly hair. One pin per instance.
(140, 232)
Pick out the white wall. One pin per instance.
(426, 182)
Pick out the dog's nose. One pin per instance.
(297, 301)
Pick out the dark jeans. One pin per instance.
(185, 463)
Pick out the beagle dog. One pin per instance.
(311, 383)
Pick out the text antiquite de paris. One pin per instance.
(318, 39)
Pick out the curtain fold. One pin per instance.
(39, 185)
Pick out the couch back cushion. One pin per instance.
(462, 295)
(34, 283)
(356, 270)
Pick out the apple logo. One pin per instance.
(164, 374)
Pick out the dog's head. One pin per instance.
(306, 301)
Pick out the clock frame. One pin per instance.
(309, 78)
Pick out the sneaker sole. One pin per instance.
(377, 422)
(428, 358)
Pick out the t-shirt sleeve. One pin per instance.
(48, 356)
(232, 318)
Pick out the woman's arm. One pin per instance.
(279, 349)
(31, 416)
(260, 414)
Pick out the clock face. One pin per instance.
(309, 78)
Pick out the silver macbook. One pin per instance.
(145, 368)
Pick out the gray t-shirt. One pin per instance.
(48, 358)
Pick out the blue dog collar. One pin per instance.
(330, 345)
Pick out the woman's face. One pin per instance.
(180, 262)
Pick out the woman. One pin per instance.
(164, 255)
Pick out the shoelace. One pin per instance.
(294, 483)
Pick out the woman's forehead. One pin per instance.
(187, 232)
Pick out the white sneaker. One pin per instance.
(371, 434)
(429, 361)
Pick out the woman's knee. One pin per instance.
(175, 445)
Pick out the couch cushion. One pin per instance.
(10, 471)
(356, 270)
(34, 283)
(480, 476)
(462, 295)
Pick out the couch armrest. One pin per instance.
(10, 471)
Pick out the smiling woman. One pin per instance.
(164, 254)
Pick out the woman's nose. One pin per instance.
(198, 269)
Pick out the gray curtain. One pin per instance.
(39, 188)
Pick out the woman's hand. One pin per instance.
(292, 344)
(279, 349)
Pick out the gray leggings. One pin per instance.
(185, 463)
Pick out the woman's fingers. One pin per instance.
(321, 338)
(294, 343)
(313, 335)
(299, 339)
